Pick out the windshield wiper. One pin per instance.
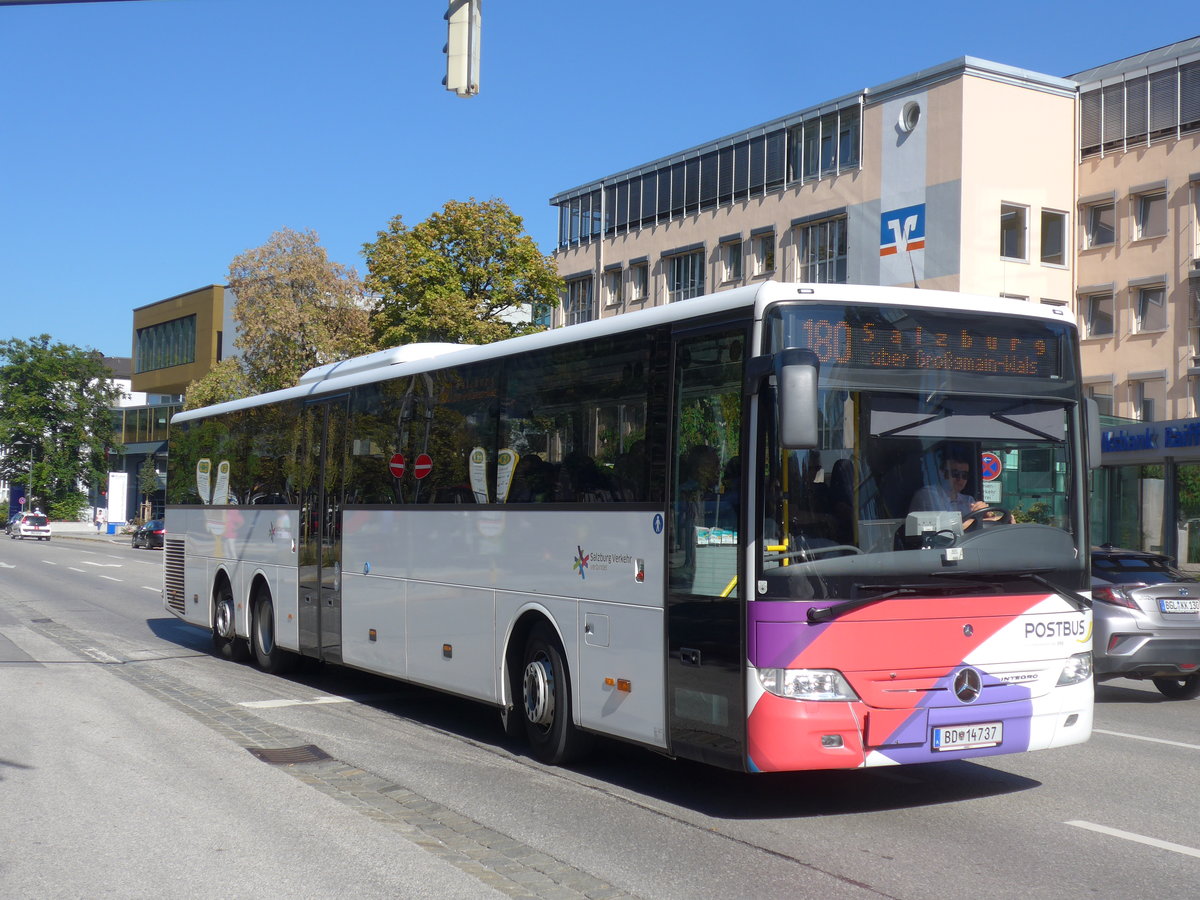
(1036, 576)
(824, 614)
(1080, 600)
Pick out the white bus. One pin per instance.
(704, 528)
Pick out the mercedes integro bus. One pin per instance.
(782, 527)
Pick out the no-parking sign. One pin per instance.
(990, 466)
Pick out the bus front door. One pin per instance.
(320, 563)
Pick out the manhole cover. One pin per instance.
(288, 756)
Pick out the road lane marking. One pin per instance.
(146, 587)
(275, 704)
(88, 562)
(1137, 838)
(110, 578)
(1138, 737)
(80, 571)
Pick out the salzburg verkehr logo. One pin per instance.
(581, 563)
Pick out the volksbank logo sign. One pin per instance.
(1125, 441)
(902, 230)
(1152, 437)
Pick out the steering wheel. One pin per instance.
(978, 515)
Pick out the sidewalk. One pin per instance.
(85, 531)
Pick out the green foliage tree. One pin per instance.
(459, 276)
(227, 380)
(55, 420)
(295, 309)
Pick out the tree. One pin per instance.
(295, 309)
(461, 276)
(56, 424)
(227, 380)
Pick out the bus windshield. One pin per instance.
(922, 471)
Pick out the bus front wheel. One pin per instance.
(269, 655)
(546, 700)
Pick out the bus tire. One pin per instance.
(224, 631)
(1185, 687)
(545, 701)
(270, 656)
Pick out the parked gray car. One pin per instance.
(1146, 621)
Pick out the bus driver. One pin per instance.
(949, 494)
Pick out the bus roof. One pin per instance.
(414, 358)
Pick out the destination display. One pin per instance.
(904, 339)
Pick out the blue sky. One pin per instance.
(144, 144)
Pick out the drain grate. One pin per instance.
(289, 756)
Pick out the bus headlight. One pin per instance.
(1077, 669)
(806, 684)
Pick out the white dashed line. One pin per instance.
(1139, 737)
(274, 704)
(1137, 838)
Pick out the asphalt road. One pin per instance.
(126, 771)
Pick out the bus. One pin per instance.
(690, 527)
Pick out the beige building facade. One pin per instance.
(971, 176)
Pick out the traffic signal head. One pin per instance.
(464, 22)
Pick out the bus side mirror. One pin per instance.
(1093, 432)
(796, 374)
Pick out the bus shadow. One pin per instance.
(645, 773)
(180, 633)
(701, 788)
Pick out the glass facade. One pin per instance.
(749, 165)
(168, 344)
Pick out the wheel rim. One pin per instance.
(539, 691)
(224, 623)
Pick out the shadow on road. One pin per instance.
(710, 791)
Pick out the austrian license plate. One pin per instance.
(967, 737)
(1173, 605)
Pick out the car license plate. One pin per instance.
(967, 737)
(1174, 605)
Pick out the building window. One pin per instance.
(1148, 398)
(764, 254)
(165, 345)
(578, 307)
(1099, 322)
(685, 275)
(731, 261)
(1013, 231)
(822, 251)
(612, 287)
(1151, 312)
(1150, 214)
(1101, 224)
(1054, 238)
(1196, 226)
(639, 282)
(1102, 394)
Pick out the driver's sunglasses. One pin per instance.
(958, 473)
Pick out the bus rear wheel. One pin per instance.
(546, 700)
(269, 655)
(224, 631)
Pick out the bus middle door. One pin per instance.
(320, 576)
